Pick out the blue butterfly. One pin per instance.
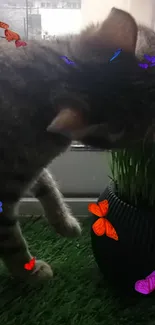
(68, 61)
(1, 210)
(116, 54)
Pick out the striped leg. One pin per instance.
(14, 250)
(56, 211)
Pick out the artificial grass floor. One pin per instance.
(77, 295)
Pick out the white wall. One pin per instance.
(97, 10)
(142, 10)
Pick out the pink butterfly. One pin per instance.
(146, 285)
(19, 43)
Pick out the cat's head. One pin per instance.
(112, 109)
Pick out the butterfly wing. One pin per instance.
(116, 54)
(11, 36)
(27, 266)
(104, 206)
(95, 209)
(110, 230)
(68, 61)
(99, 227)
(143, 65)
(1, 210)
(19, 43)
(4, 25)
(142, 286)
(149, 58)
(32, 263)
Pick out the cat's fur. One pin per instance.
(45, 103)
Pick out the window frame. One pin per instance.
(81, 174)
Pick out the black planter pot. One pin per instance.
(132, 257)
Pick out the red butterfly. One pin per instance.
(102, 226)
(30, 265)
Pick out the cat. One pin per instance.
(46, 103)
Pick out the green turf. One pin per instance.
(78, 295)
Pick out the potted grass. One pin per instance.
(131, 212)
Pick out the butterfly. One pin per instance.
(143, 65)
(102, 226)
(11, 36)
(30, 265)
(116, 54)
(146, 285)
(1, 210)
(68, 61)
(19, 43)
(4, 25)
(150, 59)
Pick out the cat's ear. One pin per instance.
(68, 121)
(119, 30)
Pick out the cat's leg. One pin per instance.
(14, 250)
(56, 211)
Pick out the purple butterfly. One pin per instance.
(146, 285)
(143, 65)
(150, 59)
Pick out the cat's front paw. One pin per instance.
(68, 227)
(42, 270)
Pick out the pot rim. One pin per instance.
(112, 190)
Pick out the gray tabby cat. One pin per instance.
(45, 103)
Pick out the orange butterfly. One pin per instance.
(11, 36)
(102, 226)
(30, 265)
(4, 25)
